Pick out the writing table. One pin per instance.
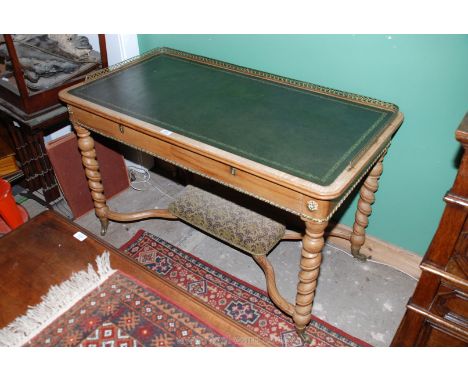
(298, 146)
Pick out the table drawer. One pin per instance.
(94, 121)
(451, 305)
(433, 335)
(195, 162)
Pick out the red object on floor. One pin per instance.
(9, 211)
(4, 228)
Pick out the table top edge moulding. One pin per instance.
(359, 165)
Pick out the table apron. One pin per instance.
(243, 181)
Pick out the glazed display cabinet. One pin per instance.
(33, 69)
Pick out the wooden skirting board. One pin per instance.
(380, 251)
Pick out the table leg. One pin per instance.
(364, 209)
(311, 258)
(91, 165)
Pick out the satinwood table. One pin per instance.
(298, 146)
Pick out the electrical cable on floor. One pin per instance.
(140, 175)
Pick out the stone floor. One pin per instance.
(366, 300)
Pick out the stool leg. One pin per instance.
(311, 258)
(91, 165)
(364, 209)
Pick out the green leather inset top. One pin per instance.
(301, 132)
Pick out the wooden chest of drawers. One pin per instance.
(437, 313)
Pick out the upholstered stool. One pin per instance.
(239, 226)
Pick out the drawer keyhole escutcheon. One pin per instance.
(121, 129)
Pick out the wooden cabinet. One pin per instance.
(437, 313)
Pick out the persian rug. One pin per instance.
(119, 311)
(235, 298)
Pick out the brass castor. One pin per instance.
(104, 226)
(358, 255)
(304, 337)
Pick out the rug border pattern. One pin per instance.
(257, 292)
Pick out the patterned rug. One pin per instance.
(124, 312)
(235, 298)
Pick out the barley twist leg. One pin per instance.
(364, 209)
(91, 166)
(311, 258)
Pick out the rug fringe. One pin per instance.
(58, 300)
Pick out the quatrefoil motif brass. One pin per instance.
(312, 205)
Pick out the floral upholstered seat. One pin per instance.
(239, 226)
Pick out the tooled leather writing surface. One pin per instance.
(307, 134)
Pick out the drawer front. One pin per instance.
(246, 182)
(458, 263)
(434, 335)
(451, 305)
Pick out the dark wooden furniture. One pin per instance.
(295, 145)
(28, 139)
(437, 313)
(43, 252)
(29, 115)
(8, 165)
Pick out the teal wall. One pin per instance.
(425, 75)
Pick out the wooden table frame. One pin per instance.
(315, 204)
